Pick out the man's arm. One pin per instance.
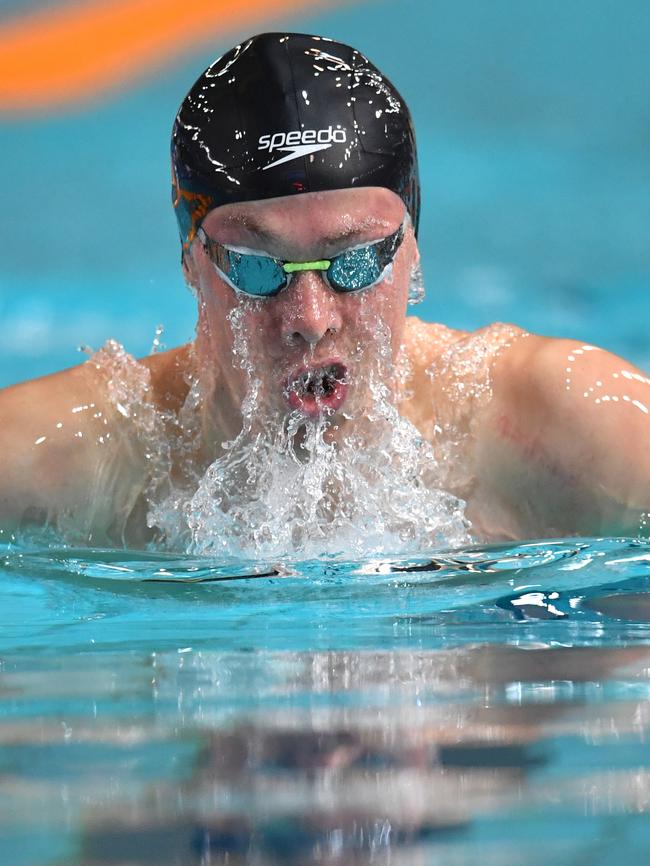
(59, 454)
(564, 445)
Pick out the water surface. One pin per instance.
(487, 703)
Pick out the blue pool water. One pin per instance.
(489, 703)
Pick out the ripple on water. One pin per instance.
(431, 708)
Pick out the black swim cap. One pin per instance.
(287, 113)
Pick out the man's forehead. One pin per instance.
(331, 215)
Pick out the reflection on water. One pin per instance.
(130, 735)
(208, 757)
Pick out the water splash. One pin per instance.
(461, 375)
(291, 487)
(416, 284)
(343, 498)
(157, 344)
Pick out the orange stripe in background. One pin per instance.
(72, 53)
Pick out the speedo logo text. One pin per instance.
(300, 142)
(280, 140)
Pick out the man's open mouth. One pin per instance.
(315, 390)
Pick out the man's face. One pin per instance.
(309, 349)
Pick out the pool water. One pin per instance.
(489, 703)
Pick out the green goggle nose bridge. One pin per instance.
(263, 276)
(292, 267)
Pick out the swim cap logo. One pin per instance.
(300, 143)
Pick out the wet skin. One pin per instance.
(548, 437)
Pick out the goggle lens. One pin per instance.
(255, 275)
(355, 269)
(263, 276)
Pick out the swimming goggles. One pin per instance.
(352, 270)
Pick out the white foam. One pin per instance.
(291, 487)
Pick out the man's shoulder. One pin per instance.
(171, 374)
(96, 385)
(552, 371)
(449, 373)
(437, 348)
(48, 436)
(69, 453)
(46, 393)
(423, 341)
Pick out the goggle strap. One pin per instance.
(291, 267)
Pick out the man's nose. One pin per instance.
(309, 309)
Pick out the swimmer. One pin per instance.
(295, 186)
